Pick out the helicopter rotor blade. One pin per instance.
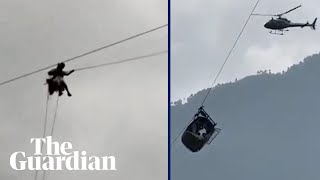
(263, 15)
(289, 11)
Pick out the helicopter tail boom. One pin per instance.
(312, 26)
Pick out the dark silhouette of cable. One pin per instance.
(225, 61)
(44, 130)
(36, 175)
(85, 54)
(231, 50)
(45, 120)
(123, 61)
(52, 128)
(55, 116)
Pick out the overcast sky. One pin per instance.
(118, 110)
(204, 31)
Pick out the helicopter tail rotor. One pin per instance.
(313, 25)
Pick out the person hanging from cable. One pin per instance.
(56, 81)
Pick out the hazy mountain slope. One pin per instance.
(270, 128)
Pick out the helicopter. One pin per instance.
(281, 24)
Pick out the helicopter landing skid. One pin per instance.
(278, 32)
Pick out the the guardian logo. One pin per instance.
(59, 157)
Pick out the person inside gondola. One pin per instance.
(202, 133)
(56, 81)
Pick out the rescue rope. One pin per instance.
(55, 116)
(85, 54)
(124, 60)
(44, 129)
(220, 70)
(52, 127)
(45, 121)
(36, 175)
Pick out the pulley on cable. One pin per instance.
(201, 131)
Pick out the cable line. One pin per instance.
(227, 58)
(52, 128)
(220, 70)
(44, 131)
(84, 54)
(124, 60)
(45, 120)
(55, 116)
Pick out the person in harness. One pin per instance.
(56, 81)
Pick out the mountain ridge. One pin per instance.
(267, 120)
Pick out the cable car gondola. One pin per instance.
(201, 131)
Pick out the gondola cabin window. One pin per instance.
(201, 131)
